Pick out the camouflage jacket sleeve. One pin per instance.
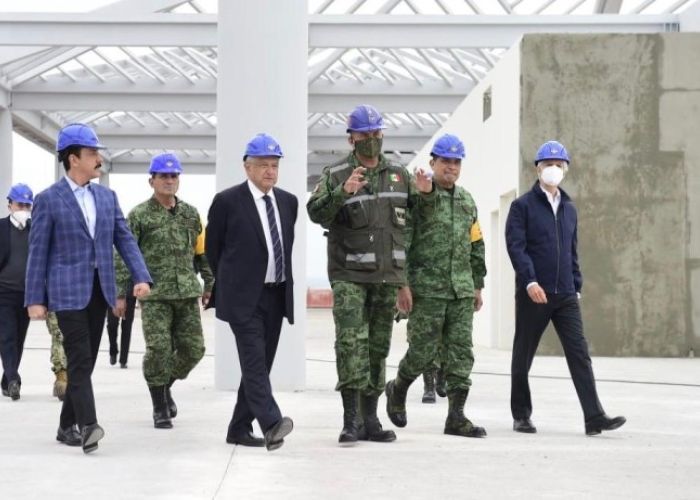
(478, 255)
(417, 201)
(123, 276)
(201, 265)
(326, 200)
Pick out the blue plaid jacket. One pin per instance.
(63, 256)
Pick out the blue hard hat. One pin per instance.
(448, 146)
(365, 118)
(21, 193)
(165, 163)
(552, 150)
(263, 145)
(78, 134)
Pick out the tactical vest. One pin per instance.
(366, 241)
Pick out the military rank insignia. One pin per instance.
(400, 213)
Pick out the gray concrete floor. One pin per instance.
(656, 455)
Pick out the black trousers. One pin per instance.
(113, 330)
(257, 345)
(82, 331)
(530, 322)
(14, 322)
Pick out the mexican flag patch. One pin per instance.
(394, 178)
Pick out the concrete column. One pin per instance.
(5, 154)
(262, 87)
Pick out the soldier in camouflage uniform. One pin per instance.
(363, 202)
(58, 357)
(446, 270)
(169, 233)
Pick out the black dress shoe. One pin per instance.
(122, 365)
(603, 423)
(112, 359)
(91, 434)
(274, 437)
(13, 390)
(247, 439)
(524, 425)
(69, 436)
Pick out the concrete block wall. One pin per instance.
(628, 109)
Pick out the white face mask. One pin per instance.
(552, 175)
(21, 216)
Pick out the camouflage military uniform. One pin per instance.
(172, 245)
(58, 356)
(59, 364)
(367, 234)
(445, 265)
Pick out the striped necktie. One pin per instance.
(275, 236)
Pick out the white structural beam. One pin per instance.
(608, 6)
(403, 97)
(263, 86)
(327, 31)
(5, 152)
(36, 128)
(197, 137)
(92, 29)
(324, 142)
(389, 31)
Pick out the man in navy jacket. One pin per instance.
(541, 241)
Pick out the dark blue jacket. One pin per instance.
(542, 247)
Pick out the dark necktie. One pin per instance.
(276, 243)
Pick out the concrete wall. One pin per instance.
(490, 174)
(628, 109)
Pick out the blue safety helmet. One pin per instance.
(165, 163)
(263, 145)
(365, 118)
(78, 134)
(21, 193)
(448, 146)
(552, 150)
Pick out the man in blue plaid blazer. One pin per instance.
(70, 270)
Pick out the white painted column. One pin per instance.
(5, 155)
(262, 87)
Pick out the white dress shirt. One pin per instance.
(553, 199)
(86, 202)
(262, 212)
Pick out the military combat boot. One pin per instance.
(348, 436)
(60, 385)
(441, 383)
(396, 400)
(370, 427)
(429, 386)
(161, 415)
(172, 407)
(457, 424)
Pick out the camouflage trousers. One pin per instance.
(58, 355)
(363, 315)
(172, 330)
(435, 324)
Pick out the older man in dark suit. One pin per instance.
(249, 242)
(76, 225)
